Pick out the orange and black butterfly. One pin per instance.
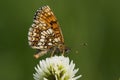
(45, 34)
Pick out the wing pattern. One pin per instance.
(45, 31)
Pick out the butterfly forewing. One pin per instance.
(45, 31)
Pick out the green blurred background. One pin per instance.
(95, 22)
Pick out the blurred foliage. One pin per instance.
(95, 22)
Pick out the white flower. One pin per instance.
(56, 68)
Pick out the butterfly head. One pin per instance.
(63, 48)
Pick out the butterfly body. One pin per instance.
(45, 34)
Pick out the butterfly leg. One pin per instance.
(40, 53)
(63, 52)
(53, 51)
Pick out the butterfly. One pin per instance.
(45, 34)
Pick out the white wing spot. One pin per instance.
(49, 43)
(49, 13)
(30, 43)
(37, 26)
(39, 43)
(30, 29)
(44, 27)
(42, 33)
(34, 34)
(29, 33)
(33, 25)
(35, 47)
(44, 24)
(50, 39)
(45, 46)
(50, 30)
(56, 39)
(29, 38)
(40, 24)
(36, 21)
(42, 40)
(41, 46)
(32, 39)
(43, 37)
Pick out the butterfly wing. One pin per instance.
(45, 31)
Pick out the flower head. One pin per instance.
(56, 68)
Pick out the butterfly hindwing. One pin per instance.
(45, 31)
